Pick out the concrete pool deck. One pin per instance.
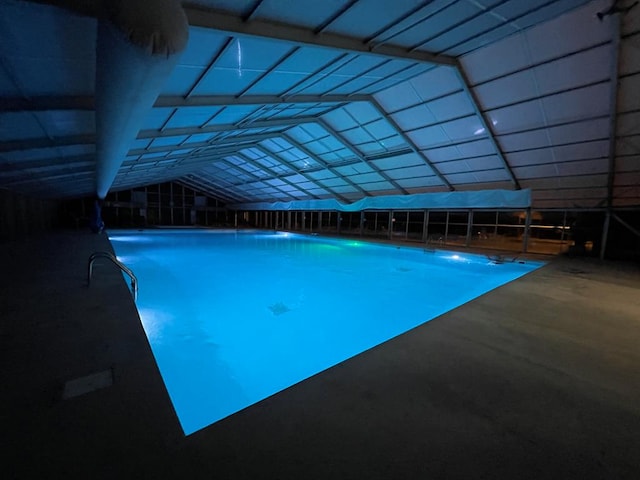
(537, 379)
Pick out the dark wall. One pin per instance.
(22, 216)
(165, 204)
(624, 242)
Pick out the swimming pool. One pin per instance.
(234, 317)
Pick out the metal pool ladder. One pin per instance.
(122, 266)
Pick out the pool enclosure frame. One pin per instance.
(579, 230)
(500, 229)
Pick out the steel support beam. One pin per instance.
(381, 36)
(613, 117)
(613, 106)
(212, 150)
(335, 16)
(247, 25)
(317, 159)
(208, 186)
(527, 231)
(197, 146)
(254, 177)
(338, 136)
(223, 184)
(605, 234)
(203, 187)
(225, 22)
(197, 162)
(359, 77)
(227, 127)
(268, 71)
(411, 144)
(217, 197)
(224, 100)
(629, 227)
(299, 172)
(204, 159)
(322, 71)
(242, 140)
(275, 175)
(216, 57)
(87, 102)
(488, 126)
(252, 11)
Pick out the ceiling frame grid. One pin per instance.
(261, 178)
(330, 63)
(296, 173)
(319, 184)
(325, 164)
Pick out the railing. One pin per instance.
(122, 266)
(432, 241)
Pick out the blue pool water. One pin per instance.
(233, 318)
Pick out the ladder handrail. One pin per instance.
(119, 264)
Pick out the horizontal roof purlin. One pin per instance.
(444, 200)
